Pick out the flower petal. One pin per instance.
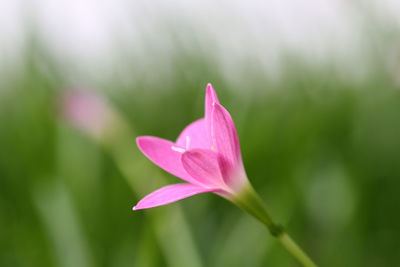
(203, 166)
(211, 98)
(169, 194)
(224, 136)
(194, 136)
(165, 154)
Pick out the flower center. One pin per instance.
(187, 142)
(178, 149)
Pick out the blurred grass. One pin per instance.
(322, 150)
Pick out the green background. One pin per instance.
(321, 148)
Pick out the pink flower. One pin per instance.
(89, 111)
(206, 156)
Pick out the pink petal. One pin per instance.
(203, 165)
(169, 194)
(211, 98)
(165, 154)
(224, 137)
(194, 136)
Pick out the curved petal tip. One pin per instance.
(211, 94)
(170, 193)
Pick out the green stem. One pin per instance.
(249, 201)
(295, 250)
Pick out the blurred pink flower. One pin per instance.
(206, 155)
(87, 111)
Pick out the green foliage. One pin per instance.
(321, 150)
